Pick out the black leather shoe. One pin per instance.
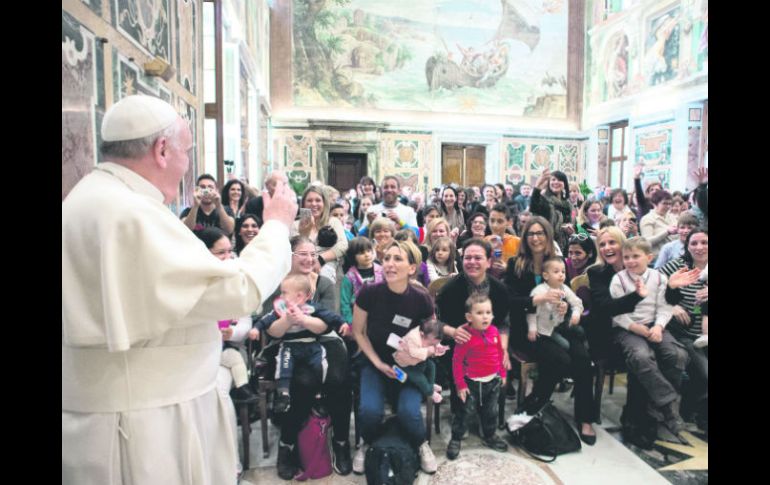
(282, 402)
(286, 467)
(495, 442)
(341, 458)
(453, 450)
(587, 438)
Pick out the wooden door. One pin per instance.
(346, 169)
(463, 165)
(452, 164)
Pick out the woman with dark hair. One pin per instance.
(658, 226)
(235, 196)
(581, 253)
(365, 188)
(478, 227)
(550, 200)
(246, 229)
(464, 202)
(554, 362)
(450, 209)
(686, 326)
(429, 212)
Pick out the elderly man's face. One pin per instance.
(178, 154)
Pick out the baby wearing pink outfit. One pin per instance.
(413, 356)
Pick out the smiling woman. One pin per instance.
(246, 229)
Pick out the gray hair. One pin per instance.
(138, 147)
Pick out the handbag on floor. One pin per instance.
(313, 444)
(547, 434)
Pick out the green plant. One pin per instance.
(585, 190)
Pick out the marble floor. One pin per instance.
(608, 462)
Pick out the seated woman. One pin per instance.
(590, 217)
(335, 390)
(477, 227)
(450, 209)
(581, 253)
(392, 307)
(428, 213)
(550, 200)
(554, 362)
(687, 324)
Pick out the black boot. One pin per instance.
(341, 457)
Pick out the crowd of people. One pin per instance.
(343, 290)
(510, 256)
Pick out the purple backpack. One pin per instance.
(313, 444)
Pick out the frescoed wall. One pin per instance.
(492, 57)
(104, 46)
(652, 148)
(524, 159)
(635, 47)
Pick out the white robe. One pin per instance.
(140, 345)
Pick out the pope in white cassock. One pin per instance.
(141, 296)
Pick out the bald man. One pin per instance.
(141, 296)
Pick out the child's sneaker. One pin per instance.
(427, 459)
(282, 402)
(700, 342)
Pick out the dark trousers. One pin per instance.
(309, 354)
(336, 395)
(482, 399)
(553, 364)
(658, 366)
(422, 376)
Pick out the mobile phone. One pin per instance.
(224, 323)
(305, 214)
(384, 214)
(400, 374)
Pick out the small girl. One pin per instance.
(362, 270)
(442, 258)
(414, 353)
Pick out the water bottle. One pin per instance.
(497, 247)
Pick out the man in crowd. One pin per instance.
(403, 216)
(207, 209)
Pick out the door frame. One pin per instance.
(370, 149)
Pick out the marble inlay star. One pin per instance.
(698, 452)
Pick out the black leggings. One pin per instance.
(335, 392)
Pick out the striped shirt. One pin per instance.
(688, 298)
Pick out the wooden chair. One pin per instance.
(265, 386)
(435, 286)
(242, 407)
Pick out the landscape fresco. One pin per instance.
(496, 57)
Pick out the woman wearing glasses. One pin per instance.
(554, 361)
(336, 390)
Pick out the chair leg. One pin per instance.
(356, 423)
(263, 422)
(245, 432)
(612, 381)
(428, 418)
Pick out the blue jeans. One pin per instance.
(374, 389)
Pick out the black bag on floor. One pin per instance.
(391, 460)
(547, 434)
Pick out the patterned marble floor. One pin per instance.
(608, 462)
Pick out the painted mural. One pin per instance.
(504, 57)
(145, 22)
(130, 79)
(525, 159)
(653, 150)
(639, 45)
(187, 44)
(78, 154)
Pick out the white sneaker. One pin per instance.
(427, 459)
(358, 459)
(700, 342)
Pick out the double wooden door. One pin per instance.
(463, 165)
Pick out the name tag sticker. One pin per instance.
(402, 321)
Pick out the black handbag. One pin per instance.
(546, 434)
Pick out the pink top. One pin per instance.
(481, 356)
(411, 352)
